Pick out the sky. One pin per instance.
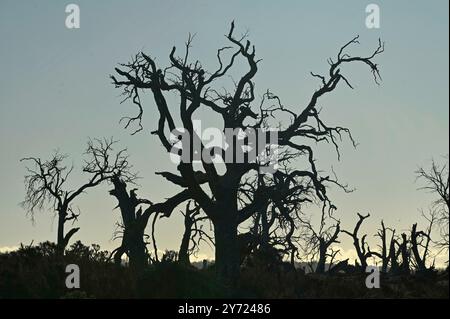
(55, 92)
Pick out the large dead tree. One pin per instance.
(46, 182)
(217, 194)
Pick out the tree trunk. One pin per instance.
(137, 251)
(227, 250)
(393, 257)
(183, 253)
(405, 256)
(134, 227)
(420, 262)
(60, 239)
(320, 268)
(134, 246)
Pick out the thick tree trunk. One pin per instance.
(133, 245)
(227, 250)
(137, 251)
(134, 226)
(393, 258)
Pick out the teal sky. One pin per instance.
(55, 93)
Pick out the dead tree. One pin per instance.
(361, 247)
(196, 90)
(135, 220)
(194, 233)
(388, 251)
(393, 255)
(274, 232)
(420, 245)
(46, 182)
(316, 245)
(133, 225)
(324, 244)
(436, 181)
(403, 250)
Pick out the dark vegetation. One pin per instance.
(258, 223)
(38, 272)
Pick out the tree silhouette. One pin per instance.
(436, 181)
(420, 244)
(46, 182)
(360, 244)
(388, 249)
(133, 223)
(318, 245)
(195, 88)
(135, 220)
(274, 231)
(194, 233)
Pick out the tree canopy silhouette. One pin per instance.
(239, 109)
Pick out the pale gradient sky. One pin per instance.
(55, 92)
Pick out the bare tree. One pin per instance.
(360, 244)
(46, 182)
(436, 181)
(404, 251)
(420, 244)
(274, 231)
(194, 233)
(195, 89)
(135, 220)
(317, 244)
(388, 248)
(133, 223)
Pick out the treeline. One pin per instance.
(39, 272)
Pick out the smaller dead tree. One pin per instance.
(403, 250)
(436, 181)
(46, 182)
(317, 245)
(324, 253)
(388, 251)
(420, 244)
(194, 233)
(393, 256)
(133, 225)
(135, 220)
(361, 247)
